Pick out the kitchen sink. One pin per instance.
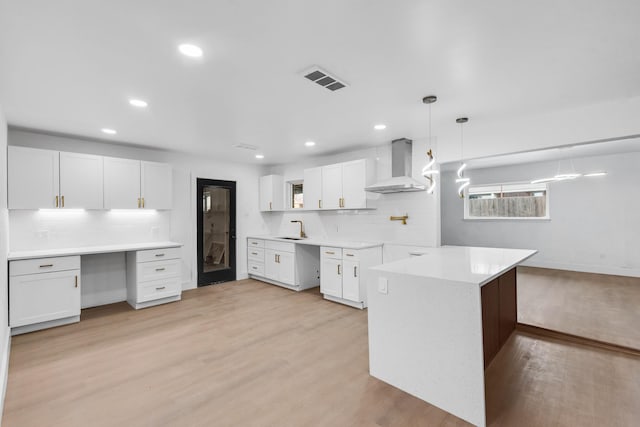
(291, 238)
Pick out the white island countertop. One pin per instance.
(471, 265)
(87, 250)
(322, 242)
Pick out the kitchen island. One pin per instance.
(436, 321)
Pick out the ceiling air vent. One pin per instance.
(324, 79)
(245, 147)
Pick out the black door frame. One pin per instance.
(229, 274)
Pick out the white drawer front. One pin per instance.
(255, 243)
(280, 246)
(158, 254)
(158, 289)
(255, 254)
(158, 270)
(256, 268)
(44, 265)
(350, 255)
(330, 252)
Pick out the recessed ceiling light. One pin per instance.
(190, 50)
(259, 156)
(109, 131)
(138, 103)
(380, 127)
(309, 143)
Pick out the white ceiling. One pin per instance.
(70, 67)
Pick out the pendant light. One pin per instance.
(428, 170)
(461, 181)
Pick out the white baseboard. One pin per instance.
(4, 369)
(103, 298)
(597, 269)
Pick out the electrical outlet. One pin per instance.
(383, 285)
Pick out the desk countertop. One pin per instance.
(88, 250)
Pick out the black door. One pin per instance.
(216, 231)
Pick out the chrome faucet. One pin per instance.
(302, 233)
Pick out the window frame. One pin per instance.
(290, 185)
(546, 186)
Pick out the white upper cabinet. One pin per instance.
(156, 185)
(354, 181)
(81, 181)
(343, 185)
(312, 188)
(33, 177)
(271, 193)
(332, 186)
(121, 183)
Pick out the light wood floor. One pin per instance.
(252, 354)
(597, 306)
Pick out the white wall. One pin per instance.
(594, 224)
(423, 226)
(4, 248)
(35, 229)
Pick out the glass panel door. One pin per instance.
(216, 231)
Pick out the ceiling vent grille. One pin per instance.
(245, 147)
(324, 79)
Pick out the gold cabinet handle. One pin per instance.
(402, 218)
(275, 258)
(254, 253)
(319, 204)
(143, 203)
(62, 198)
(46, 265)
(56, 201)
(330, 253)
(270, 206)
(349, 255)
(355, 271)
(76, 281)
(160, 269)
(139, 204)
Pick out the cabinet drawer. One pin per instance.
(157, 254)
(330, 252)
(280, 246)
(44, 265)
(158, 289)
(256, 254)
(157, 270)
(255, 243)
(351, 254)
(256, 268)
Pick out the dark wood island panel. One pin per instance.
(499, 313)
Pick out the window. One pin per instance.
(507, 201)
(296, 200)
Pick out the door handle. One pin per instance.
(160, 269)
(159, 254)
(270, 206)
(319, 204)
(76, 281)
(46, 265)
(143, 203)
(62, 198)
(355, 271)
(160, 288)
(56, 201)
(338, 269)
(139, 203)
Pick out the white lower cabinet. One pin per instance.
(153, 277)
(343, 273)
(43, 292)
(282, 263)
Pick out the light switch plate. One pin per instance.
(383, 285)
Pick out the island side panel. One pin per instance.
(508, 305)
(425, 337)
(490, 295)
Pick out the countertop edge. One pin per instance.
(318, 242)
(89, 250)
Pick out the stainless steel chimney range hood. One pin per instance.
(401, 180)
